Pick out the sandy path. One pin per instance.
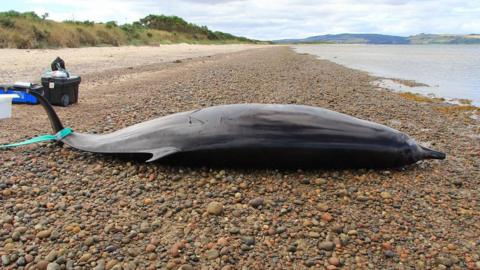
(76, 209)
(28, 65)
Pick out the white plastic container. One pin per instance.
(6, 105)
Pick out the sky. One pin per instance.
(278, 19)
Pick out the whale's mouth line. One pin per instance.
(432, 154)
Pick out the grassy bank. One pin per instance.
(28, 30)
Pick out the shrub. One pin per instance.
(40, 35)
(21, 41)
(86, 23)
(132, 30)
(111, 24)
(107, 38)
(86, 38)
(172, 24)
(31, 15)
(11, 14)
(7, 22)
(15, 14)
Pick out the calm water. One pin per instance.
(451, 71)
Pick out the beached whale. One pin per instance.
(270, 135)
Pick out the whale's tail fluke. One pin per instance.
(432, 154)
(52, 115)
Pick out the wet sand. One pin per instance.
(75, 209)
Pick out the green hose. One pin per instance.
(43, 138)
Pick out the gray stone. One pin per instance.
(390, 254)
(248, 240)
(186, 267)
(145, 227)
(326, 245)
(443, 260)
(53, 266)
(16, 236)
(212, 254)
(110, 248)
(215, 208)
(100, 265)
(89, 241)
(61, 260)
(5, 260)
(69, 264)
(21, 261)
(51, 256)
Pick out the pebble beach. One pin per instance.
(65, 209)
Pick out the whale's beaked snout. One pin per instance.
(420, 152)
(432, 154)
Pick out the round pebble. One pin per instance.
(215, 208)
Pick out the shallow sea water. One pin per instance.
(450, 71)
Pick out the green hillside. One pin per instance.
(28, 30)
(444, 39)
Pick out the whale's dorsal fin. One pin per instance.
(162, 152)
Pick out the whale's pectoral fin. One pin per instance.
(162, 152)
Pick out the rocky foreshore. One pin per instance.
(66, 209)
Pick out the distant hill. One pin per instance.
(445, 39)
(349, 39)
(386, 39)
(28, 30)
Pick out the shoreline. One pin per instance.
(389, 84)
(398, 77)
(395, 84)
(95, 210)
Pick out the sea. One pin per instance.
(450, 71)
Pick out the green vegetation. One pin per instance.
(179, 25)
(445, 39)
(28, 30)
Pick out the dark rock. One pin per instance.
(21, 261)
(110, 248)
(390, 254)
(257, 202)
(248, 240)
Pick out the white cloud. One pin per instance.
(274, 19)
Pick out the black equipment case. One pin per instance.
(61, 91)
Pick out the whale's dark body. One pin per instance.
(270, 135)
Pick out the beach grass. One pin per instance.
(28, 30)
